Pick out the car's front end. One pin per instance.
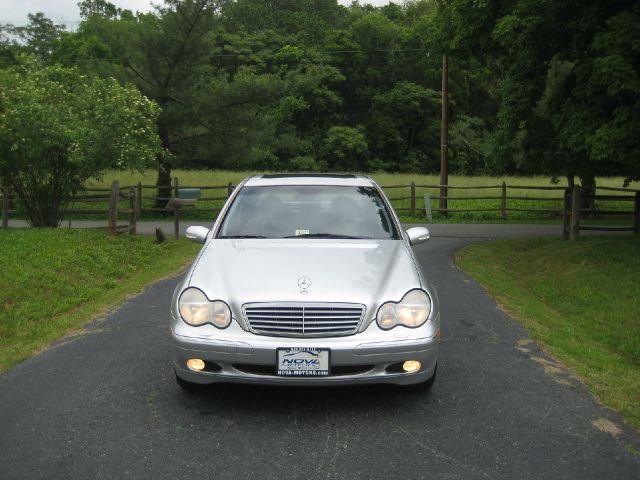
(305, 309)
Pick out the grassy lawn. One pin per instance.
(579, 299)
(54, 281)
(222, 177)
(551, 199)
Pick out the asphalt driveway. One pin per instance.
(105, 405)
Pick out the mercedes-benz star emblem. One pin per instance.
(304, 282)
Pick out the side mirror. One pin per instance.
(197, 234)
(418, 235)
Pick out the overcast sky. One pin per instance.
(66, 11)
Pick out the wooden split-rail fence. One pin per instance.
(576, 203)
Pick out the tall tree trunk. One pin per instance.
(588, 188)
(45, 189)
(164, 171)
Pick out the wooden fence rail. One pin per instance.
(571, 211)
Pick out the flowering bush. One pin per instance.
(58, 128)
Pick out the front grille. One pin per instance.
(303, 320)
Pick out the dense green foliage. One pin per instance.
(58, 128)
(568, 83)
(537, 87)
(587, 317)
(53, 281)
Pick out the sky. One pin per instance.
(66, 11)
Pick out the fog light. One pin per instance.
(411, 366)
(196, 364)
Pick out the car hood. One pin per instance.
(242, 271)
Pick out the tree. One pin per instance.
(38, 35)
(58, 128)
(566, 76)
(600, 121)
(404, 127)
(538, 86)
(346, 149)
(469, 145)
(165, 53)
(306, 22)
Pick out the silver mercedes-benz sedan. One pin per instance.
(306, 280)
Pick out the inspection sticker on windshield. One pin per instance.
(312, 362)
(302, 232)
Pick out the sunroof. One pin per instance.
(310, 175)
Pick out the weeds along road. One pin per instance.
(105, 405)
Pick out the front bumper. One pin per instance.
(242, 357)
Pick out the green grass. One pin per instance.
(579, 299)
(54, 281)
(222, 177)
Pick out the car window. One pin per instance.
(308, 211)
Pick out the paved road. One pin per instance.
(105, 405)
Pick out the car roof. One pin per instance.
(329, 179)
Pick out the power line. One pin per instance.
(331, 52)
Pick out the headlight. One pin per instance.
(412, 311)
(196, 309)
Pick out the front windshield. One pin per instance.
(308, 211)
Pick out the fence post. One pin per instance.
(132, 211)
(566, 205)
(427, 206)
(176, 211)
(5, 207)
(413, 198)
(112, 221)
(636, 213)
(229, 189)
(139, 201)
(574, 232)
(503, 202)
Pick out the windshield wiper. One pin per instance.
(242, 236)
(325, 235)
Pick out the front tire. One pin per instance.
(188, 386)
(423, 387)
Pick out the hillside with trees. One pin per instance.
(537, 86)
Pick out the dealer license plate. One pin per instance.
(300, 362)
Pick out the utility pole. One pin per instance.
(444, 135)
